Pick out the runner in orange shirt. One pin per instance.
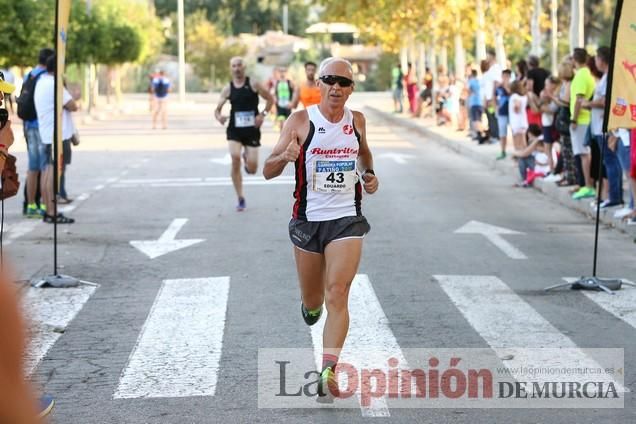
(309, 92)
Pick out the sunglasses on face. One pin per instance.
(332, 79)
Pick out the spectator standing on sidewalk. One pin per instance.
(410, 82)
(597, 107)
(562, 123)
(502, 96)
(619, 142)
(491, 80)
(397, 88)
(517, 114)
(549, 109)
(582, 88)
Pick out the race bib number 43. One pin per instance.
(337, 176)
(244, 119)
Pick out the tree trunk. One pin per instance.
(460, 58)
(554, 33)
(577, 34)
(480, 42)
(404, 59)
(535, 30)
(443, 58)
(421, 61)
(500, 48)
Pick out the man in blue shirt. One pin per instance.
(160, 89)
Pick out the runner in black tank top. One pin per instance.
(244, 103)
(243, 131)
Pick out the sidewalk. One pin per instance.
(485, 154)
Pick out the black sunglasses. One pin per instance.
(332, 79)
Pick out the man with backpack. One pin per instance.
(26, 112)
(160, 89)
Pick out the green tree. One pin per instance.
(25, 28)
(244, 16)
(207, 50)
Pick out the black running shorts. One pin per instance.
(250, 137)
(315, 236)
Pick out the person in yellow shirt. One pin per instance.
(581, 89)
(308, 93)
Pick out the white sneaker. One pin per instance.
(622, 213)
(553, 178)
(631, 221)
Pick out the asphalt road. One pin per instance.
(108, 360)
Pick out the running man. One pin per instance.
(327, 227)
(243, 130)
(283, 92)
(308, 93)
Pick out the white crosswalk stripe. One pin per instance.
(49, 311)
(622, 305)
(513, 328)
(370, 341)
(179, 348)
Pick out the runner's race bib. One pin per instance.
(244, 119)
(335, 176)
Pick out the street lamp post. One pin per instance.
(182, 79)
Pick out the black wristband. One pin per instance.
(369, 171)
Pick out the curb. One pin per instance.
(554, 192)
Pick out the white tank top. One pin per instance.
(327, 180)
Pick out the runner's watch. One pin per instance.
(369, 171)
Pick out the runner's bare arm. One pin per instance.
(264, 93)
(290, 142)
(365, 158)
(225, 95)
(295, 98)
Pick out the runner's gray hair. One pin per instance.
(330, 60)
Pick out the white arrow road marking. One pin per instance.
(515, 329)
(493, 234)
(225, 160)
(49, 312)
(622, 306)
(399, 158)
(179, 348)
(370, 341)
(166, 243)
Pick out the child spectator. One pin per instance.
(533, 160)
(476, 109)
(548, 112)
(517, 114)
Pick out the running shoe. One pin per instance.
(47, 403)
(501, 156)
(584, 193)
(33, 212)
(310, 317)
(328, 386)
(622, 213)
(241, 205)
(606, 204)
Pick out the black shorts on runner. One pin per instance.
(314, 236)
(283, 111)
(250, 137)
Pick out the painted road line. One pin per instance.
(49, 312)
(15, 231)
(202, 182)
(622, 305)
(514, 329)
(370, 341)
(166, 242)
(493, 234)
(178, 350)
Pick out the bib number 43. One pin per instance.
(335, 177)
